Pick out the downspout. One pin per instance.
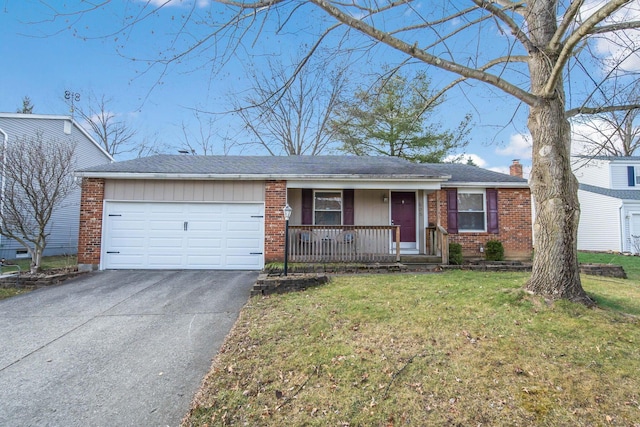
(623, 226)
(4, 166)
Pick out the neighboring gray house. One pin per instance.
(609, 195)
(65, 222)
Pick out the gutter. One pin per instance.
(4, 165)
(255, 177)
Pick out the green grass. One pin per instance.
(631, 264)
(48, 263)
(457, 348)
(11, 292)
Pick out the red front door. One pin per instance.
(403, 213)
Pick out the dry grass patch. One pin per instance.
(459, 348)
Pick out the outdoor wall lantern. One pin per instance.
(287, 214)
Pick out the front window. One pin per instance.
(327, 208)
(471, 215)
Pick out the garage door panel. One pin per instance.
(243, 243)
(183, 235)
(243, 226)
(241, 262)
(211, 244)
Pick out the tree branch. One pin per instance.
(597, 110)
(423, 56)
(578, 35)
(515, 28)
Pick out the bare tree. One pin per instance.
(206, 139)
(289, 112)
(613, 133)
(152, 144)
(524, 49)
(37, 178)
(114, 134)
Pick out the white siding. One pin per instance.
(599, 228)
(591, 171)
(620, 178)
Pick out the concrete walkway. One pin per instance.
(114, 348)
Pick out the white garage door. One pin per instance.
(146, 235)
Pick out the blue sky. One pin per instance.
(42, 60)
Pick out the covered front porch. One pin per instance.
(362, 244)
(365, 223)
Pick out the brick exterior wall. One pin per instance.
(90, 234)
(514, 221)
(275, 199)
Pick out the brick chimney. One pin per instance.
(516, 168)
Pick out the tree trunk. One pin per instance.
(555, 274)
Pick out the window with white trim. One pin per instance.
(327, 208)
(471, 210)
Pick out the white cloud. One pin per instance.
(519, 147)
(592, 133)
(618, 49)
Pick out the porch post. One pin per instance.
(397, 243)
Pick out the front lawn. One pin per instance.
(631, 264)
(456, 348)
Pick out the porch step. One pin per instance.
(420, 259)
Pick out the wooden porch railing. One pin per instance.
(347, 243)
(437, 242)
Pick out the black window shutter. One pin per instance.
(452, 211)
(631, 176)
(347, 207)
(307, 206)
(492, 211)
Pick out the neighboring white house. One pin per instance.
(64, 223)
(609, 196)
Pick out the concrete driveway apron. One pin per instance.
(114, 348)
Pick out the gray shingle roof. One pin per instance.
(612, 158)
(618, 194)
(307, 166)
(461, 173)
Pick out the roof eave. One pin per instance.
(486, 184)
(254, 177)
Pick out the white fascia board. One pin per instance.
(34, 116)
(90, 138)
(486, 184)
(387, 184)
(299, 180)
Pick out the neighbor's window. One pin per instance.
(327, 208)
(471, 212)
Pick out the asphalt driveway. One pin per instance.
(114, 348)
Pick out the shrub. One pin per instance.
(455, 253)
(494, 251)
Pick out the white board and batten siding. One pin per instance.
(599, 232)
(183, 225)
